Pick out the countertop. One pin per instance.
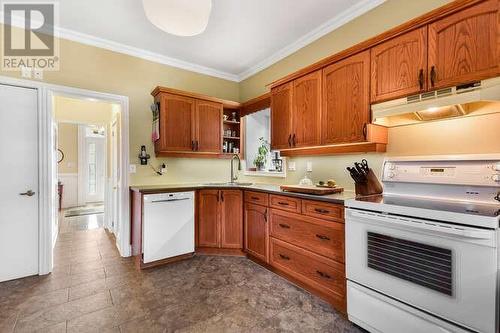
(338, 198)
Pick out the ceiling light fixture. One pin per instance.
(179, 17)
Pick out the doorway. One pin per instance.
(87, 167)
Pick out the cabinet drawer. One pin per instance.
(323, 237)
(323, 210)
(258, 198)
(312, 269)
(285, 203)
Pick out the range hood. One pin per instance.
(472, 99)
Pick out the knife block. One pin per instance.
(370, 187)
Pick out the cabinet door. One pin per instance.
(208, 127)
(281, 116)
(256, 231)
(399, 66)
(231, 219)
(306, 110)
(208, 218)
(346, 106)
(176, 123)
(464, 47)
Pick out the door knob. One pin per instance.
(29, 193)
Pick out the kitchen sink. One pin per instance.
(228, 184)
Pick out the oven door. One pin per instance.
(444, 269)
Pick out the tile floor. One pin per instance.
(93, 289)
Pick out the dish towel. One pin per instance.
(155, 131)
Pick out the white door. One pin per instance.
(19, 179)
(114, 177)
(95, 169)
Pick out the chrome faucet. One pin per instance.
(233, 176)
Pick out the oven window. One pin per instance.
(425, 265)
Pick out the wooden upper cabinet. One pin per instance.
(256, 231)
(346, 105)
(281, 116)
(464, 46)
(177, 123)
(306, 110)
(208, 126)
(208, 218)
(399, 66)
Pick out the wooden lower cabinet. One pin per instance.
(256, 231)
(220, 219)
(302, 240)
(231, 219)
(208, 218)
(324, 275)
(323, 237)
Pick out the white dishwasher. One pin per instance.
(168, 225)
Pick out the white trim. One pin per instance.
(123, 236)
(81, 200)
(47, 163)
(342, 18)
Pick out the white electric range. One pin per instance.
(424, 256)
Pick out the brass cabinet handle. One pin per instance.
(365, 131)
(222, 196)
(284, 257)
(197, 145)
(421, 79)
(284, 226)
(254, 198)
(323, 237)
(294, 141)
(283, 203)
(28, 193)
(289, 140)
(265, 215)
(433, 75)
(323, 275)
(321, 211)
(192, 145)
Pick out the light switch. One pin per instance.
(26, 72)
(38, 74)
(309, 166)
(292, 166)
(133, 168)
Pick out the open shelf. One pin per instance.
(232, 137)
(229, 122)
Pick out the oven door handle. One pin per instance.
(426, 225)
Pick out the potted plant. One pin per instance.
(261, 158)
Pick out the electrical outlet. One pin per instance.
(309, 166)
(26, 72)
(38, 74)
(292, 166)
(133, 168)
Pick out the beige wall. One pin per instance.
(68, 143)
(82, 111)
(97, 69)
(92, 68)
(471, 135)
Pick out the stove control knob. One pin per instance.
(391, 174)
(496, 178)
(496, 167)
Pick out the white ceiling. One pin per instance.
(242, 37)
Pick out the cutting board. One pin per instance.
(311, 189)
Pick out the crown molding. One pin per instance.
(344, 17)
(351, 13)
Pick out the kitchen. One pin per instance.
(374, 98)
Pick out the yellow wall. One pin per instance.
(68, 143)
(92, 68)
(82, 111)
(101, 70)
